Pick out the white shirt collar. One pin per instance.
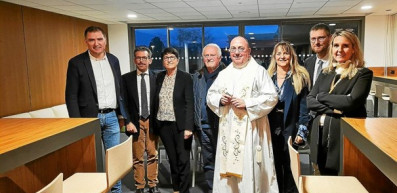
(96, 59)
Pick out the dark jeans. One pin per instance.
(285, 180)
(208, 140)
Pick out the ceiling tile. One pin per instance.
(205, 3)
(150, 11)
(135, 6)
(72, 7)
(274, 6)
(274, 1)
(239, 7)
(171, 5)
(219, 16)
(313, 4)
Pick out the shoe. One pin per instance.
(140, 190)
(154, 190)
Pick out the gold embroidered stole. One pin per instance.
(233, 126)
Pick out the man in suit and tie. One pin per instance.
(140, 88)
(319, 40)
(93, 88)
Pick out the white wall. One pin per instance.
(375, 40)
(118, 45)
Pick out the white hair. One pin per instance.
(213, 45)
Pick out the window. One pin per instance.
(156, 40)
(262, 39)
(187, 40)
(220, 35)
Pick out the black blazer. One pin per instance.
(310, 64)
(131, 99)
(295, 111)
(81, 93)
(348, 96)
(182, 99)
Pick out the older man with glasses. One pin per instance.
(319, 41)
(242, 96)
(205, 121)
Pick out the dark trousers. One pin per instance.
(282, 161)
(208, 140)
(322, 156)
(178, 151)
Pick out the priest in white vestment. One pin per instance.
(242, 96)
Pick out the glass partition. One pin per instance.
(156, 40)
(220, 35)
(262, 39)
(187, 40)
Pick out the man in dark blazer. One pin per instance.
(140, 124)
(319, 40)
(93, 88)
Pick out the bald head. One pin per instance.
(239, 51)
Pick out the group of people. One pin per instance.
(242, 113)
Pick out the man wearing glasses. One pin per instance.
(319, 41)
(205, 121)
(139, 87)
(242, 96)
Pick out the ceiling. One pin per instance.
(158, 11)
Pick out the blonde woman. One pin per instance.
(290, 116)
(341, 90)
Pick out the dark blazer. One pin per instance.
(348, 96)
(132, 99)
(182, 99)
(81, 93)
(310, 64)
(295, 111)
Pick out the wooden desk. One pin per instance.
(370, 152)
(386, 79)
(34, 151)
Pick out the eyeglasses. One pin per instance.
(239, 49)
(143, 59)
(169, 58)
(320, 39)
(210, 56)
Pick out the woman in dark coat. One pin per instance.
(290, 116)
(341, 90)
(174, 117)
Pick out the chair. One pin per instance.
(392, 99)
(323, 184)
(379, 88)
(118, 164)
(55, 186)
(196, 154)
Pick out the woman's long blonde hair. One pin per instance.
(300, 76)
(356, 61)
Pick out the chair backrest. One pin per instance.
(56, 186)
(118, 161)
(379, 90)
(393, 94)
(295, 162)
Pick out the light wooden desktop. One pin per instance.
(370, 153)
(34, 151)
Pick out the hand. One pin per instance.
(226, 99)
(238, 103)
(131, 128)
(298, 140)
(187, 133)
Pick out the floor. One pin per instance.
(200, 187)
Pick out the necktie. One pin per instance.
(319, 68)
(144, 104)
